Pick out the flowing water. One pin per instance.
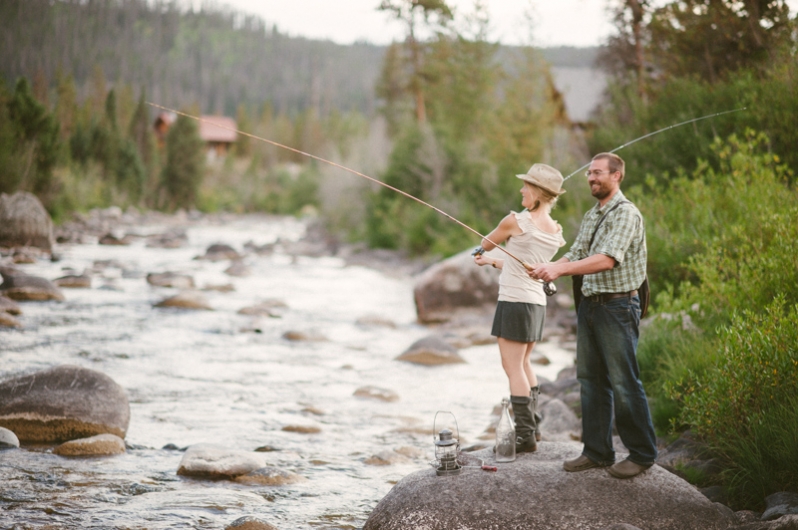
(224, 378)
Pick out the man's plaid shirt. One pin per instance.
(622, 236)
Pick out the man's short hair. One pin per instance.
(614, 162)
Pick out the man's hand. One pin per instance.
(548, 272)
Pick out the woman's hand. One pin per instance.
(481, 259)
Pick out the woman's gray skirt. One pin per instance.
(519, 321)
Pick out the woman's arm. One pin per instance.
(506, 229)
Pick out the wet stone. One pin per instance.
(270, 476)
(302, 429)
(373, 392)
(73, 281)
(170, 279)
(186, 300)
(8, 439)
(8, 321)
(249, 523)
(9, 306)
(304, 336)
(100, 445)
(215, 461)
(430, 351)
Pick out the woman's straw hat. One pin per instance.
(544, 176)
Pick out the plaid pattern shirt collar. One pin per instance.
(621, 237)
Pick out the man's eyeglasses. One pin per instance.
(596, 172)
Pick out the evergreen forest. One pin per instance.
(451, 119)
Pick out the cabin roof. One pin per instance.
(218, 129)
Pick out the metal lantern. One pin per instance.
(447, 449)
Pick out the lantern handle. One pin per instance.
(434, 423)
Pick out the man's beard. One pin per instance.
(600, 192)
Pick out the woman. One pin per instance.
(534, 237)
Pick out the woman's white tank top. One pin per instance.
(532, 245)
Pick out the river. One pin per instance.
(234, 380)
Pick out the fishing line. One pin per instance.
(659, 131)
(527, 266)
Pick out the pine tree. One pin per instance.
(185, 164)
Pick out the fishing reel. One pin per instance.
(548, 287)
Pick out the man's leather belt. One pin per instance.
(603, 298)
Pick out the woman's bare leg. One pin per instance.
(514, 356)
(530, 374)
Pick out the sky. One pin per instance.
(555, 22)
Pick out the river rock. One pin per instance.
(431, 350)
(559, 422)
(779, 504)
(373, 392)
(112, 240)
(387, 458)
(24, 222)
(304, 336)
(249, 523)
(169, 240)
(535, 492)
(452, 284)
(270, 476)
(267, 308)
(99, 445)
(238, 269)
(74, 281)
(63, 403)
(186, 300)
(9, 306)
(20, 286)
(216, 461)
(8, 321)
(375, 321)
(170, 279)
(8, 439)
(219, 252)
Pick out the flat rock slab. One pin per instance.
(63, 403)
(535, 492)
(218, 462)
(100, 445)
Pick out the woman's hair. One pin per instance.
(544, 197)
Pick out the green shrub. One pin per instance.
(725, 233)
(745, 406)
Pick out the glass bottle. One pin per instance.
(505, 435)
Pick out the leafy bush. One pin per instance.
(723, 234)
(745, 407)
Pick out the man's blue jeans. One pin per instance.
(606, 366)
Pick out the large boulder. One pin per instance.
(535, 492)
(452, 284)
(63, 403)
(24, 222)
(20, 286)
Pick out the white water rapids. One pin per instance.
(199, 376)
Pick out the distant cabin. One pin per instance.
(218, 132)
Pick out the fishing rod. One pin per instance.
(659, 131)
(549, 288)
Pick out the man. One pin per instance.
(613, 262)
